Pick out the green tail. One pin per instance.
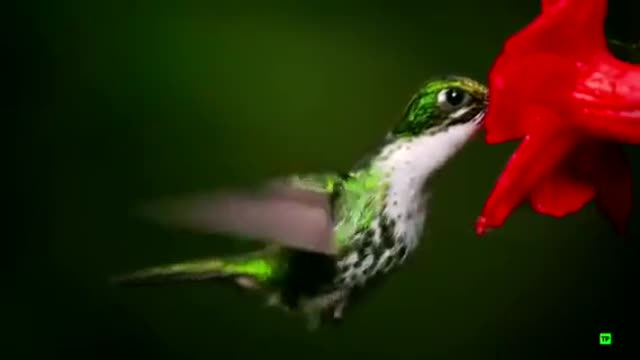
(248, 270)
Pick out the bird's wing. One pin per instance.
(294, 212)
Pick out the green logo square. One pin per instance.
(605, 339)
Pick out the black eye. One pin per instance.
(455, 96)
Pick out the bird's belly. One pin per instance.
(383, 247)
(362, 266)
(375, 253)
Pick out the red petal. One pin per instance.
(561, 193)
(612, 179)
(606, 101)
(555, 83)
(538, 155)
(506, 123)
(508, 117)
(597, 169)
(547, 5)
(569, 27)
(501, 122)
(571, 185)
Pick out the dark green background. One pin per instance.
(127, 101)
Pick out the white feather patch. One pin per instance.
(409, 164)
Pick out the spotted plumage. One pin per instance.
(374, 214)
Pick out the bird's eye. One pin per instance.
(453, 98)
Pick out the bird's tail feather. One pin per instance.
(249, 270)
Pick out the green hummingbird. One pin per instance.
(331, 235)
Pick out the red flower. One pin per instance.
(557, 87)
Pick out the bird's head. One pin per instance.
(442, 104)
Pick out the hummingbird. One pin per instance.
(330, 236)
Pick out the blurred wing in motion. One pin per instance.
(280, 213)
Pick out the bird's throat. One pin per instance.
(409, 162)
(406, 165)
